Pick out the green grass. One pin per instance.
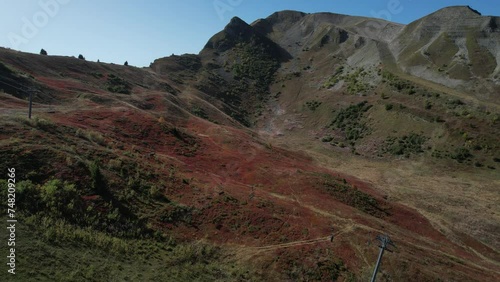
(442, 50)
(62, 238)
(53, 250)
(459, 71)
(327, 269)
(410, 54)
(483, 62)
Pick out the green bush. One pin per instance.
(97, 75)
(313, 105)
(398, 84)
(461, 155)
(327, 139)
(350, 121)
(454, 103)
(175, 214)
(28, 196)
(405, 145)
(156, 193)
(352, 196)
(199, 112)
(255, 63)
(118, 85)
(42, 124)
(62, 200)
(335, 78)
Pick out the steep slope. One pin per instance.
(312, 29)
(354, 97)
(238, 163)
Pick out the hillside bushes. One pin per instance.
(118, 85)
(461, 155)
(350, 121)
(350, 195)
(254, 62)
(313, 105)
(405, 145)
(55, 199)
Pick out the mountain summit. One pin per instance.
(458, 11)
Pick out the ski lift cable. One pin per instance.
(26, 90)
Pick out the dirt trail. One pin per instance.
(246, 249)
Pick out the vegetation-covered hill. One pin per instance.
(237, 164)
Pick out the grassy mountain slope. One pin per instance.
(237, 164)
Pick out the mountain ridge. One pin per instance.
(407, 43)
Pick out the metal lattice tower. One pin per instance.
(385, 241)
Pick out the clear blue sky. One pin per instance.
(142, 30)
